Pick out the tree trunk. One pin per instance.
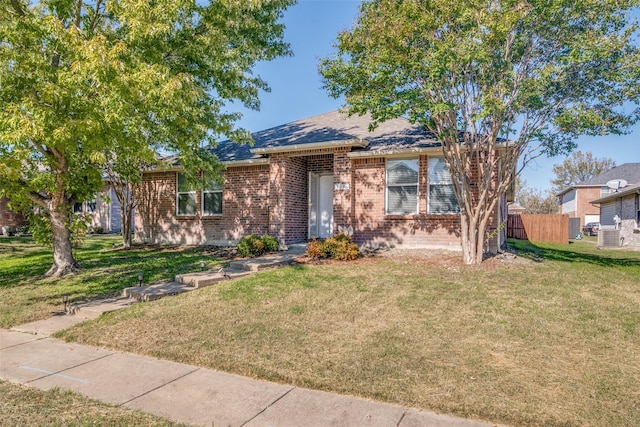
(126, 211)
(63, 260)
(472, 238)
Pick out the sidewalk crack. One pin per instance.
(159, 387)
(268, 406)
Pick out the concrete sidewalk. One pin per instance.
(190, 394)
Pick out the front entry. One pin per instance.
(320, 205)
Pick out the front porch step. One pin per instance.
(210, 277)
(154, 292)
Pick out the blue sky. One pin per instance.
(296, 87)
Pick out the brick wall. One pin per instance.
(627, 210)
(343, 180)
(583, 207)
(373, 227)
(296, 218)
(273, 199)
(9, 218)
(245, 207)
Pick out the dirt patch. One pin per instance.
(430, 258)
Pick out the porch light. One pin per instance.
(140, 277)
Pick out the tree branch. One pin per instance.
(17, 7)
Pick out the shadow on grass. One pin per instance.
(574, 253)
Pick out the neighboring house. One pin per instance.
(310, 178)
(620, 212)
(104, 211)
(9, 220)
(576, 200)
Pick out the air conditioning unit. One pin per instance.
(608, 238)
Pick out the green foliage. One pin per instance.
(577, 168)
(252, 245)
(339, 247)
(41, 229)
(79, 227)
(270, 243)
(85, 84)
(537, 74)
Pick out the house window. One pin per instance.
(402, 187)
(442, 197)
(211, 197)
(186, 196)
(90, 206)
(604, 191)
(77, 207)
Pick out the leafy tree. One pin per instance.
(80, 81)
(534, 200)
(577, 168)
(498, 83)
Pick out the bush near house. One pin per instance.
(339, 247)
(252, 245)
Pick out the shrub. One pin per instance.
(270, 243)
(98, 230)
(252, 245)
(339, 247)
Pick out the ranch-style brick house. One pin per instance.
(310, 178)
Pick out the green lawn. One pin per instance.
(26, 295)
(550, 338)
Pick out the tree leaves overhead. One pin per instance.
(82, 80)
(565, 68)
(499, 83)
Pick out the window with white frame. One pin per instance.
(402, 187)
(604, 191)
(77, 207)
(185, 196)
(211, 196)
(90, 206)
(442, 197)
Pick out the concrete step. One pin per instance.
(210, 277)
(154, 292)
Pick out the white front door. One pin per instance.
(320, 205)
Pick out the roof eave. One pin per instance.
(393, 152)
(615, 196)
(353, 143)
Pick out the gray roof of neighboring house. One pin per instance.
(630, 172)
(332, 126)
(629, 189)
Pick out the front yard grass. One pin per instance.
(26, 295)
(28, 406)
(550, 338)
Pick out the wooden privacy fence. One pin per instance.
(538, 227)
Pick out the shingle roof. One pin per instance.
(630, 172)
(332, 126)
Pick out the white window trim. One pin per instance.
(205, 191)
(178, 193)
(429, 184)
(386, 188)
